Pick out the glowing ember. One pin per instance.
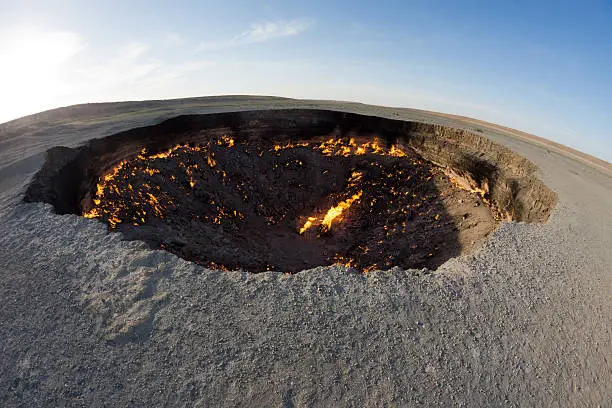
(142, 200)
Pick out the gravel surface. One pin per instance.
(91, 320)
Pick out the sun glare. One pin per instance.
(31, 76)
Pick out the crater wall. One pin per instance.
(68, 178)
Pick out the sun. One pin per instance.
(33, 70)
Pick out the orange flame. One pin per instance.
(307, 224)
(331, 215)
(336, 211)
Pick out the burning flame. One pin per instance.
(307, 224)
(468, 185)
(336, 211)
(331, 215)
(342, 147)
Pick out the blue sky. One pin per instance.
(540, 66)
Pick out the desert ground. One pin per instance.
(89, 319)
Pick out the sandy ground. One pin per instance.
(90, 320)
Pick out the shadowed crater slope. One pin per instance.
(294, 189)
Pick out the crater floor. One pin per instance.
(292, 207)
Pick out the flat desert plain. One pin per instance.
(89, 319)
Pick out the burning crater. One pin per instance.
(284, 206)
(291, 190)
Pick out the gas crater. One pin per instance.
(295, 189)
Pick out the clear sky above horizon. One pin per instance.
(544, 67)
